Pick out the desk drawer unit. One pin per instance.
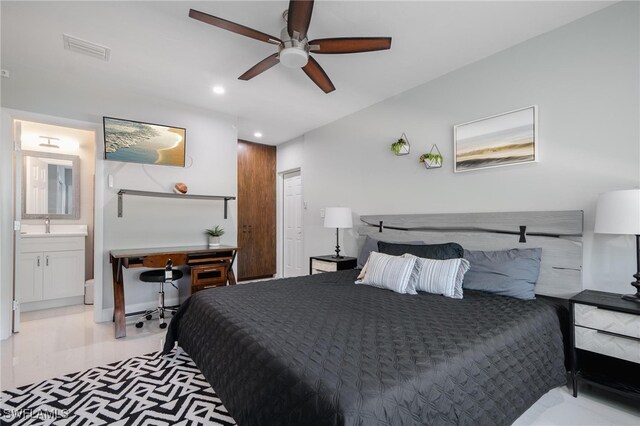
(611, 333)
(206, 276)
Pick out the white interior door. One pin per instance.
(292, 225)
(17, 215)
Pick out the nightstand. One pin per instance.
(605, 342)
(319, 264)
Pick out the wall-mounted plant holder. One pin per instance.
(401, 146)
(432, 160)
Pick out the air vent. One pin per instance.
(86, 47)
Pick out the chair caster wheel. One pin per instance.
(148, 317)
(139, 324)
(163, 325)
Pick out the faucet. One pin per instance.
(47, 225)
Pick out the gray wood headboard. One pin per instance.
(558, 233)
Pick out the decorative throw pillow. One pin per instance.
(438, 276)
(390, 272)
(428, 251)
(511, 273)
(371, 244)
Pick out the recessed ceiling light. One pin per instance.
(257, 134)
(218, 90)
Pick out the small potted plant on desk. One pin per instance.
(214, 235)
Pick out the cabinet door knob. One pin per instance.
(38, 260)
(46, 260)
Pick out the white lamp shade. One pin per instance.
(338, 217)
(618, 212)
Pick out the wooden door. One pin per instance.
(256, 210)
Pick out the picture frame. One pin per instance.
(505, 139)
(145, 143)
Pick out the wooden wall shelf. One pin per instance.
(122, 192)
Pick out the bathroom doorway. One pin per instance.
(54, 193)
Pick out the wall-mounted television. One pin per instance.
(146, 143)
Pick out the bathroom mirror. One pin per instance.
(50, 185)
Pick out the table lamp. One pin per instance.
(338, 217)
(618, 212)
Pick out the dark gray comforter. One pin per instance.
(320, 350)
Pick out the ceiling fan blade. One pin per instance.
(299, 17)
(319, 77)
(260, 67)
(233, 27)
(350, 44)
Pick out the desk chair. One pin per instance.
(166, 275)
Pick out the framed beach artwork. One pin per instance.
(500, 140)
(146, 143)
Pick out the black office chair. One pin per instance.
(167, 275)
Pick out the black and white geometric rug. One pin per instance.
(145, 390)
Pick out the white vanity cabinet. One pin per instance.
(51, 269)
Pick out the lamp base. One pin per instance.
(634, 297)
(337, 250)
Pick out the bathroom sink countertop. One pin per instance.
(29, 231)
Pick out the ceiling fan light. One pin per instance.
(293, 57)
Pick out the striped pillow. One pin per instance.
(438, 276)
(390, 272)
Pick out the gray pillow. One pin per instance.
(371, 244)
(427, 251)
(506, 272)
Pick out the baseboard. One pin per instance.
(107, 313)
(53, 303)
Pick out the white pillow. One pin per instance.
(438, 276)
(390, 272)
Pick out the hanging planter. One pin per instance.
(401, 146)
(432, 160)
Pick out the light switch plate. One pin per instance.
(322, 213)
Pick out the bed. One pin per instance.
(320, 350)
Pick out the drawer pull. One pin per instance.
(608, 333)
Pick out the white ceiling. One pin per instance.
(157, 50)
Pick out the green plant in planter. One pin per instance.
(216, 231)
(397, 146)
(431, 157)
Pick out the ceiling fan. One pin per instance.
(293, 45)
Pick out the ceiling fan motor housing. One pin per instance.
(294, 53)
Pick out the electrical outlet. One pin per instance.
(322, 213)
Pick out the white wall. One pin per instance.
(157, 222)
(6, 228)
(288, 158)
(584, 78)
(147, 222)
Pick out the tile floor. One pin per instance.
(65, 340)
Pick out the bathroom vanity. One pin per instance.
(51, 266)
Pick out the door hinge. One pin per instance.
(16, 225)
(16, 305)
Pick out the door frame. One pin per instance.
(98, 223)
(280, 229)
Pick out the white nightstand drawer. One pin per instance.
(321, 265)
(607, 344)
(604, 319)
